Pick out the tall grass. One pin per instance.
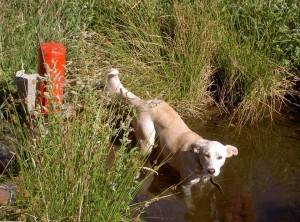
(70, 169)
(194, 54)
(271, 27)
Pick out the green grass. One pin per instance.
(70, 169)
(177, 50)
(241, 58)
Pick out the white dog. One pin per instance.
(195, 158)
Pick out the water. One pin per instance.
(260, 184)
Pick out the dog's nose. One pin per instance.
(211, 171)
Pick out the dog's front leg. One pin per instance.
(187, 191)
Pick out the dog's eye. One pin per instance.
(207, 155)
(219, 157)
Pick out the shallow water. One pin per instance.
(260, 184)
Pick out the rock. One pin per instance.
(26, 85)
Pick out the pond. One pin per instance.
(260, 184)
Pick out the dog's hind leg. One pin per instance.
(145, 133)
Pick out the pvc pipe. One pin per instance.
(52, 58)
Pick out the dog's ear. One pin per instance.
(197, 146)
(231, 150)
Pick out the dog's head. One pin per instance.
(212, 155)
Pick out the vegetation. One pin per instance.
(241, 57)
(71, 171)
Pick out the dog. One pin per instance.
(196, 159)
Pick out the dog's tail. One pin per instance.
(115, 87)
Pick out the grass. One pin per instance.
(240, 58)
(195, 54)
(71, 171)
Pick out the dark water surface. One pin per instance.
(260, 184)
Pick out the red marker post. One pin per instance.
(52, 58)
